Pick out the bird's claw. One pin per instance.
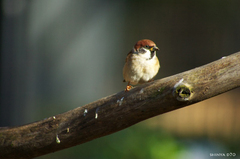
(128, 88)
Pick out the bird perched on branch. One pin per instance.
(141, 64)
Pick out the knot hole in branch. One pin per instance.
(182, 91)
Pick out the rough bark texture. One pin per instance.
(121, 110)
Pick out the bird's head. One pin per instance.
(145, 48)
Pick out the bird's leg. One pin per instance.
(128, 87)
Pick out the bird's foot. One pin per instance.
(151, 80)
(128, 88)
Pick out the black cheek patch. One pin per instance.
(142, 51)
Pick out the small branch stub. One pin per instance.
(57, 139)
(182, 91)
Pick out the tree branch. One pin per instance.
(121, 110)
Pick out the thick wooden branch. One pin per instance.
(121, 110)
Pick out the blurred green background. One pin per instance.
(57, 55)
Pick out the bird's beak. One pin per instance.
(154, 48)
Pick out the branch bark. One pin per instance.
(121, 110)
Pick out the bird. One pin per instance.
(141, 64)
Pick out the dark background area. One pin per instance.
(57, 55)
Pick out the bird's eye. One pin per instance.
(147, 46)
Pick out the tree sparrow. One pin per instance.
(141, 64)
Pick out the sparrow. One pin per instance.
(141, 64)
